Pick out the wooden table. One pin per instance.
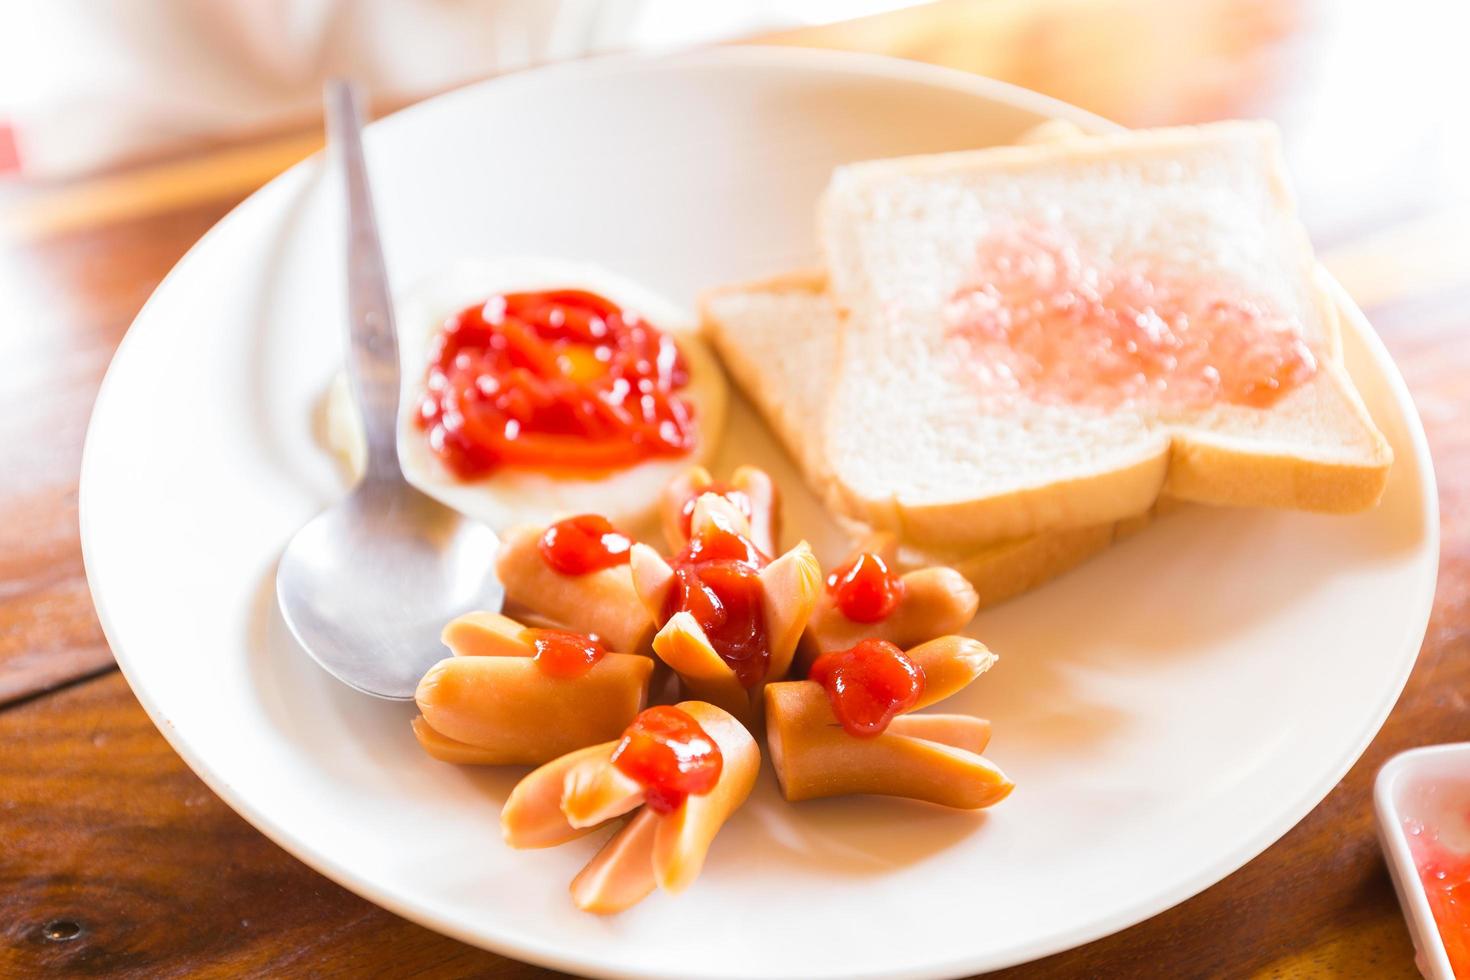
(114, 858)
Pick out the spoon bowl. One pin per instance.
(367, 586)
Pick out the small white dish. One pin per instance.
(1411, 786)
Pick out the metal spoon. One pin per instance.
(368, 585)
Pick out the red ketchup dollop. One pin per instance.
(865, 590)
(562, 654)
(1048, 321)
(562, 381)
(869, 685)
(1446, 877)
(667, 753)
(739, 498)
(583, 544)
(717, 581)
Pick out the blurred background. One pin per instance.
(1370, 94)
(88, 84)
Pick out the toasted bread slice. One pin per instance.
(930, 435)
(778, 338)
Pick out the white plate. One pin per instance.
(1167, 711)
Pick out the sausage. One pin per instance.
(602, 602)
(790, 586)
(621, 875)
(486, 634)
(950, 664)
(814, 757)
(513, 713)
(446, 749)
(652, 576)
(925, 757)
(682, 645)
(961, 731)
(684, 836)
(936, 601)
(594, 792)
(675, 495)
(532, 815)
(755, 483)
(651, 849)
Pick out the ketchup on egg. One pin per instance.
(670, 755)
(865, 590)
(561, 380)
(869, 685)
(717, 581)
(563, 654)
(583, 544)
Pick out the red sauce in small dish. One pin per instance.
(564, 655)
(1446, 877)
(667, 753)
(584, 544)
(717, 581)
(1046, 320)
(869, 685)
(865, 590)
(561, 381)
(739, 498)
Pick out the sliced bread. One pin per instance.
(779, 340)
(952, 424)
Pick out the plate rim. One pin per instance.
(882, 66)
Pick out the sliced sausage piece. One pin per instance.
(602, 602)
(652, 577)
(486, 634)
(765, 506)
(763, 524)
(960, 731)
(520, 715)
(595, 791)
(567, 797)
(676, 494)
(683, 645)
(532, 814)
(950, 664)
(814, 757)
(621, 875)
(936, 601)
(684, 836)
(790, 586)
(446, 749)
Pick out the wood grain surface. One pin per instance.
(116, 860)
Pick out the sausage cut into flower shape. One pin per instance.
(730, 616)
(517, 696)
(680, 771)
(833, 739)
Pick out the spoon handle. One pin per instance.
(372, 361)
